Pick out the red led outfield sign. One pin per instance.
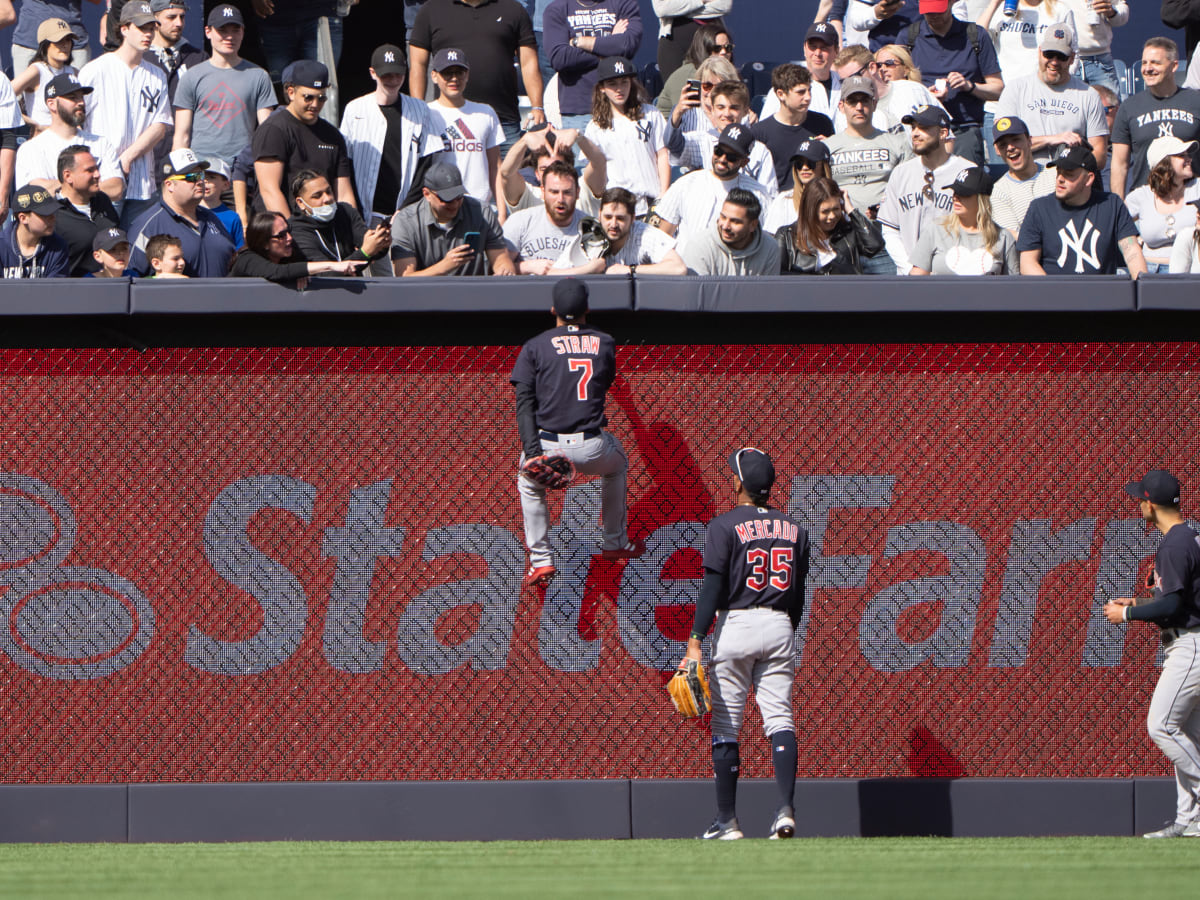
(305, 564)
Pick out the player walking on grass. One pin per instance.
(755, 563)
(561, 378)
(1174, 717)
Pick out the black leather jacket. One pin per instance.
(851, 240)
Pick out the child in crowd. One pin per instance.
(56, 42)
(110, 248)
(166, 256)
(471, 131)
(216, 183)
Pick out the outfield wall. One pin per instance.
(253, 547)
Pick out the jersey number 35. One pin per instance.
(780, 574)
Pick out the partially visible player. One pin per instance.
(755, 563)
(1174, 717)
(561, 378)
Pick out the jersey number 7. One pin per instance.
(583, 366)
(780, 576)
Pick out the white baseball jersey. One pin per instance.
(780, 214)
(1072, 106)
(632, 152)
(38, 156)
(697, 154)
(693, 203)
(644, 246)
(126, 102)
(914, 202)
(467, 135)
(10, 112)
(35, 97)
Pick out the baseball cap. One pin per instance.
(225, 14)
(1008, 125)
(388, 59)
(107, 238)
(932, 6)
(927, 117)
(66, 83)
(159, 5)
(218, 167)
(54, 30)
(1058, 38)
(970, 181)
(614, 67)
(1157, 486)
(1167, 145)
(813, 151)
(754, 469)
(737, 137)
(181, 162)
(306, 73)
(570, 298)
(823, 32)
(445, 180)
(139, 14)
(1077, 157)
(448, 57)
(858, 84)
(34, 199)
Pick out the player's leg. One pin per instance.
(1171, 708)
(731, 673)
(604, 456)
(773, 677)
(536, 515)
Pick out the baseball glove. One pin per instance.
(688, 688)
(592, 239)
(550, 471)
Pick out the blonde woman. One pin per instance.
(896, 64)
(968, 241)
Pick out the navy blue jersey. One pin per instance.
(1177, 568)
(764, 555)
(571, 369)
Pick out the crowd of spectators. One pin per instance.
(908, 137)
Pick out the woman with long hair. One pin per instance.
(709, 40)
(1185, 253)
(630, 133)
(896, 64)
(809, 162)
(1162, 209)
(268, 251)
(830, 237)
(968, 241)
(56, 43)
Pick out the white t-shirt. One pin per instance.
(693, 203)
(1073, 106)
(468, 134)
(38, 156)
(125, 103)
(531, 234)
(1016, 39)
(632, 152)
(10, 112)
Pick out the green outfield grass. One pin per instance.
(876, 868)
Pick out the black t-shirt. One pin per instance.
(319, 146)
(782, 140)
(571, 369)
(79, 230)
(1177, 568)
(489, 34)
(1144, 117)
(387, 185)
(764, 555)
(1077, 240)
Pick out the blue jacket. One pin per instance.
(565, 19)
(51, 260)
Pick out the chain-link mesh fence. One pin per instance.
(300, 564)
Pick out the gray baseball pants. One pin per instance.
(752, 647)
(1174, 720)
(603, 456)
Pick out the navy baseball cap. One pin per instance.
(821, 31)
(927, 117)
(1078, 157)
(813, 151)
(570, 298)
(33, 198)
(108, 238)
(225, 14)
(388, 59)
(445, 180)
(1157, 486)
(970, 182)
(306, 73)
(737, 137)
(66, 83)
(614, 67)
(754, 469)
(1008, 125)
(447, 58)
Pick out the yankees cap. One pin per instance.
(306, 73)
(858, 84)
(108, 238)
(448, 57)
(812, 151)
(66, 83)
(737, 137)
(225, 14)
(570, 298)
(754, 470)
(35, 199)
(137, 14)
(1157, 486)
(614, 67)
(388, 59)
(1077, 157)
(1058, 38)
(445, 180)
(823, 32)
(54, 30)
(1008, 125)
(970, 182)
(927, 117)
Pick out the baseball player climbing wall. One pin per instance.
(306, 564)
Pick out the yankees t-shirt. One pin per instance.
(862, 166)
(224, 105)
(764, 555)
(571, 368)
(1144, 117)
(125, 103)
(631, 148)
(1072, 106)
(531, 235)
(1077, 240)
(468, 134)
